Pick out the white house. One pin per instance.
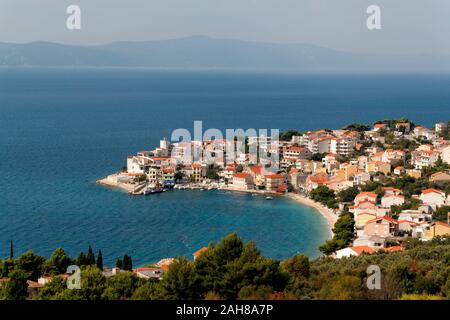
(433, 197)
(392, 200)
(353, 251)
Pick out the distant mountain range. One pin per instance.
(205, 52)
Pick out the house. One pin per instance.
(199, 252)
(424, 157)
(111, 272)
(362, 218)
(275, 182)
(346, 171)
(257, 172)
(390, 200)
(374, 242)
(297, 152)
(440, 127)
(415, 173)
(379, 126)
(353, 251)
(366, 196)
(47, 279)
(422, 132)
(198, 172)
(382, 227)
(243, 181)
(406, 226)
(33, 288)
(149, 273)
(165, 263)
(378, 166)
(437, 228)
(404, 127)
(445, 154)
(433, 197)
(399, 170)
(313, 181)
(393, 249)
(440, 177)
(360, 178)
(228, 172)
(391, 156)
(392, 191)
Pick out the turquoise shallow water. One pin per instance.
(62, 129)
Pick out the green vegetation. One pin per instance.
(212, 174)
(343, 231)
(232, 269)
(356, 127)
(325, 196)
(287, 135)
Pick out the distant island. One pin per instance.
(200, 52)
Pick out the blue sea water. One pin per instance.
(62, 129)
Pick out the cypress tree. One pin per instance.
(11, 250)
(127, 263)
(90, 259)
(100, 260)
(119, 263)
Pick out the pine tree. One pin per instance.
(100, 260)
(81, 260)
(11, 250)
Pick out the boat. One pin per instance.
(151, 189)
(269, 198)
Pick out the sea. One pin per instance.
(62, 129)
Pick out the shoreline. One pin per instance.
(327, 213)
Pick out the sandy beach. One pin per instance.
(326, 212)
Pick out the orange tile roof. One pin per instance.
(241, 175)
(256, 169)
(361, 249)
(394, 248)
(391, 220)
(274, 176)
(366, 194)
(199, 251)
(431, 190)
(443, 224)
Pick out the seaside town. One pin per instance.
(384, 190)
(390, 179)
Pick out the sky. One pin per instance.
(408, 26)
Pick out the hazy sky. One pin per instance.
(414, 26)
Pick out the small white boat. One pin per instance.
(269, 198)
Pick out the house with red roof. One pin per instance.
(243, 181)
(199, 252)
(275, 182)
(366, 196)
(382, 227)
(353, 251)
(436, 229)
(433, 197)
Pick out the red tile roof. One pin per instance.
(199, 251)
(394, 248)
(361, 249)
(274, 176)
(431, 190)
(241, 175)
